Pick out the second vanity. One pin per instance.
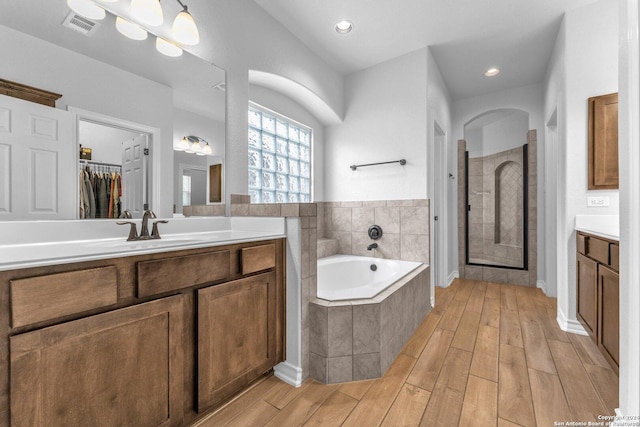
(597, 282)
(109, 332)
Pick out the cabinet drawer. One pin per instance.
(36, 299)
(258, 258)
(615, 257)
(598, 250)
(581, 243)
(168, 274)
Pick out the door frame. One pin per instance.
(187, 166)
(438, 255)
(153, 172)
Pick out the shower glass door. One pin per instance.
(496, 196)
(496, 209)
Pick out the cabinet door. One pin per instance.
(236, 336)
(121, 368)
(603, 142)
(587, 270)
(609, 309)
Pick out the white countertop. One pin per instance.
(607, 226)
(41, 243)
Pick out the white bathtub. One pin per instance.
(345, 277)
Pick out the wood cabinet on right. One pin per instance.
(598, 296)
(603, 142)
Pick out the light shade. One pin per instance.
(148, 12)
(184, 29)
(167, 48)
(87, 9)
(181, 145)
(131, 30)
(206, 150)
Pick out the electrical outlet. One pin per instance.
(597, 201)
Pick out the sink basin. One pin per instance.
(143, 244)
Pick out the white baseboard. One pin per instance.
(569, 325)
(620, 420)
(453, 276)
(288, 373)
(542, 285)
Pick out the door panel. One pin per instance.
(587, 270)
(134, 175)
(38, 158)
(609, 335)
(236, 336)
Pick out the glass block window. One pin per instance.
(279, 158)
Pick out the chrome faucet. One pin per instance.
(372, 246)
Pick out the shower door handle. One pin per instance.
(469, 208)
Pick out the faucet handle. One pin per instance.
(133, 231)
(126, 214)
(155, 234)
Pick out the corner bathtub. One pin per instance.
(346, 277)
(361, 319)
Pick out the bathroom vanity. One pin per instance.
(597, 286)
(155, 334)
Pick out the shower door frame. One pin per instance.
(525, 216)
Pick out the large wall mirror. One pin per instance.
(128, 104)
(496, 183)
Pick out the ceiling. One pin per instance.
(466, 36)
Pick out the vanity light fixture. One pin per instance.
(130, 30)
(87, 8)
(492, 72)
(148, 12)
(194, 145)
(145, 14)
(167, 48)
(184, 28)
(344, 26)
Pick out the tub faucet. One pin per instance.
(372, 246)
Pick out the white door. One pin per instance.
(134, 175)
(38, 162)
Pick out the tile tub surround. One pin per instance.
(405, 226)
(357, 340)
(327, 247)
(501, 275)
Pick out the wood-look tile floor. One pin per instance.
(486, 355)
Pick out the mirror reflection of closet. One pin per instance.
(113, 167)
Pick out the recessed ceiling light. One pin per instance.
(344, 27)
(492, 72)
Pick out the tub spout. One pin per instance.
(372, 246)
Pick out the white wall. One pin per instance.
(584, 64)
(260, 43)
(95, 86)
(439, 119)
(505, 134)
(288, 108)
(629, 149)
(385, 111)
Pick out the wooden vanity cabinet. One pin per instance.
(120, 368)
(237, 340)
(598, 297)
(131, 341)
